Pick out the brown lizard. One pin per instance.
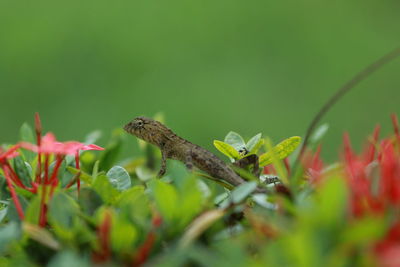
(174, 147)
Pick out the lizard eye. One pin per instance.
(140, 123)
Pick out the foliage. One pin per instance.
(60, 207)
(235, 148)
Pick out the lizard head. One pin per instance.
(148, 130)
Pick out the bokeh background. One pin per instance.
(210, 66)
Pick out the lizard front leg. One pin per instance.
(163, 168)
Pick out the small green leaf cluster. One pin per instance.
(235, 148)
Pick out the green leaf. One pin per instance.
(119, 178)
(332, 198)
(190, 199)
(178, 173)
(32, 212)
(9, 233)
(123, 236)
(83, 176)
(4, 193)
(95, 170)
(68, 259)
(253, 141)
(3, 213)
(12, 213)
(88, 158)
(130, 196)
(227, 149)
(261, 199)
(280, 151)
(27, 135)
(277, 163)
(5, 262)
(22, 171)
(220, 198)
(62, 211)
(257, 146)
(166, 199)
(144, 174)
(89, 201)
(245, 174)
(134, 203)
(235, 140)
(243, 191)
(104, 188)
(364, 231)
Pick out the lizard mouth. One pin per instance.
(128, 128)
(132, 129)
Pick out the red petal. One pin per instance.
(348, 151)
(92, 147)
(29, 146)
(395, 123)
(390, 173)
(396, 129)
(370, 151)
(10, 153)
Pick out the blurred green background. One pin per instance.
(210, 66)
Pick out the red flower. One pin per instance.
(388, 250)
(374, 183)
(49, 145)
(313, 165)
(46, 147)
(359, 177)
(389, 163)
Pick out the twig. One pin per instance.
(350, 84)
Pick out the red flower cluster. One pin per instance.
(47, 148)
(367, 189)
(374, 183)
(374, 179)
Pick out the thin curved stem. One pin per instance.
(350, 84)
